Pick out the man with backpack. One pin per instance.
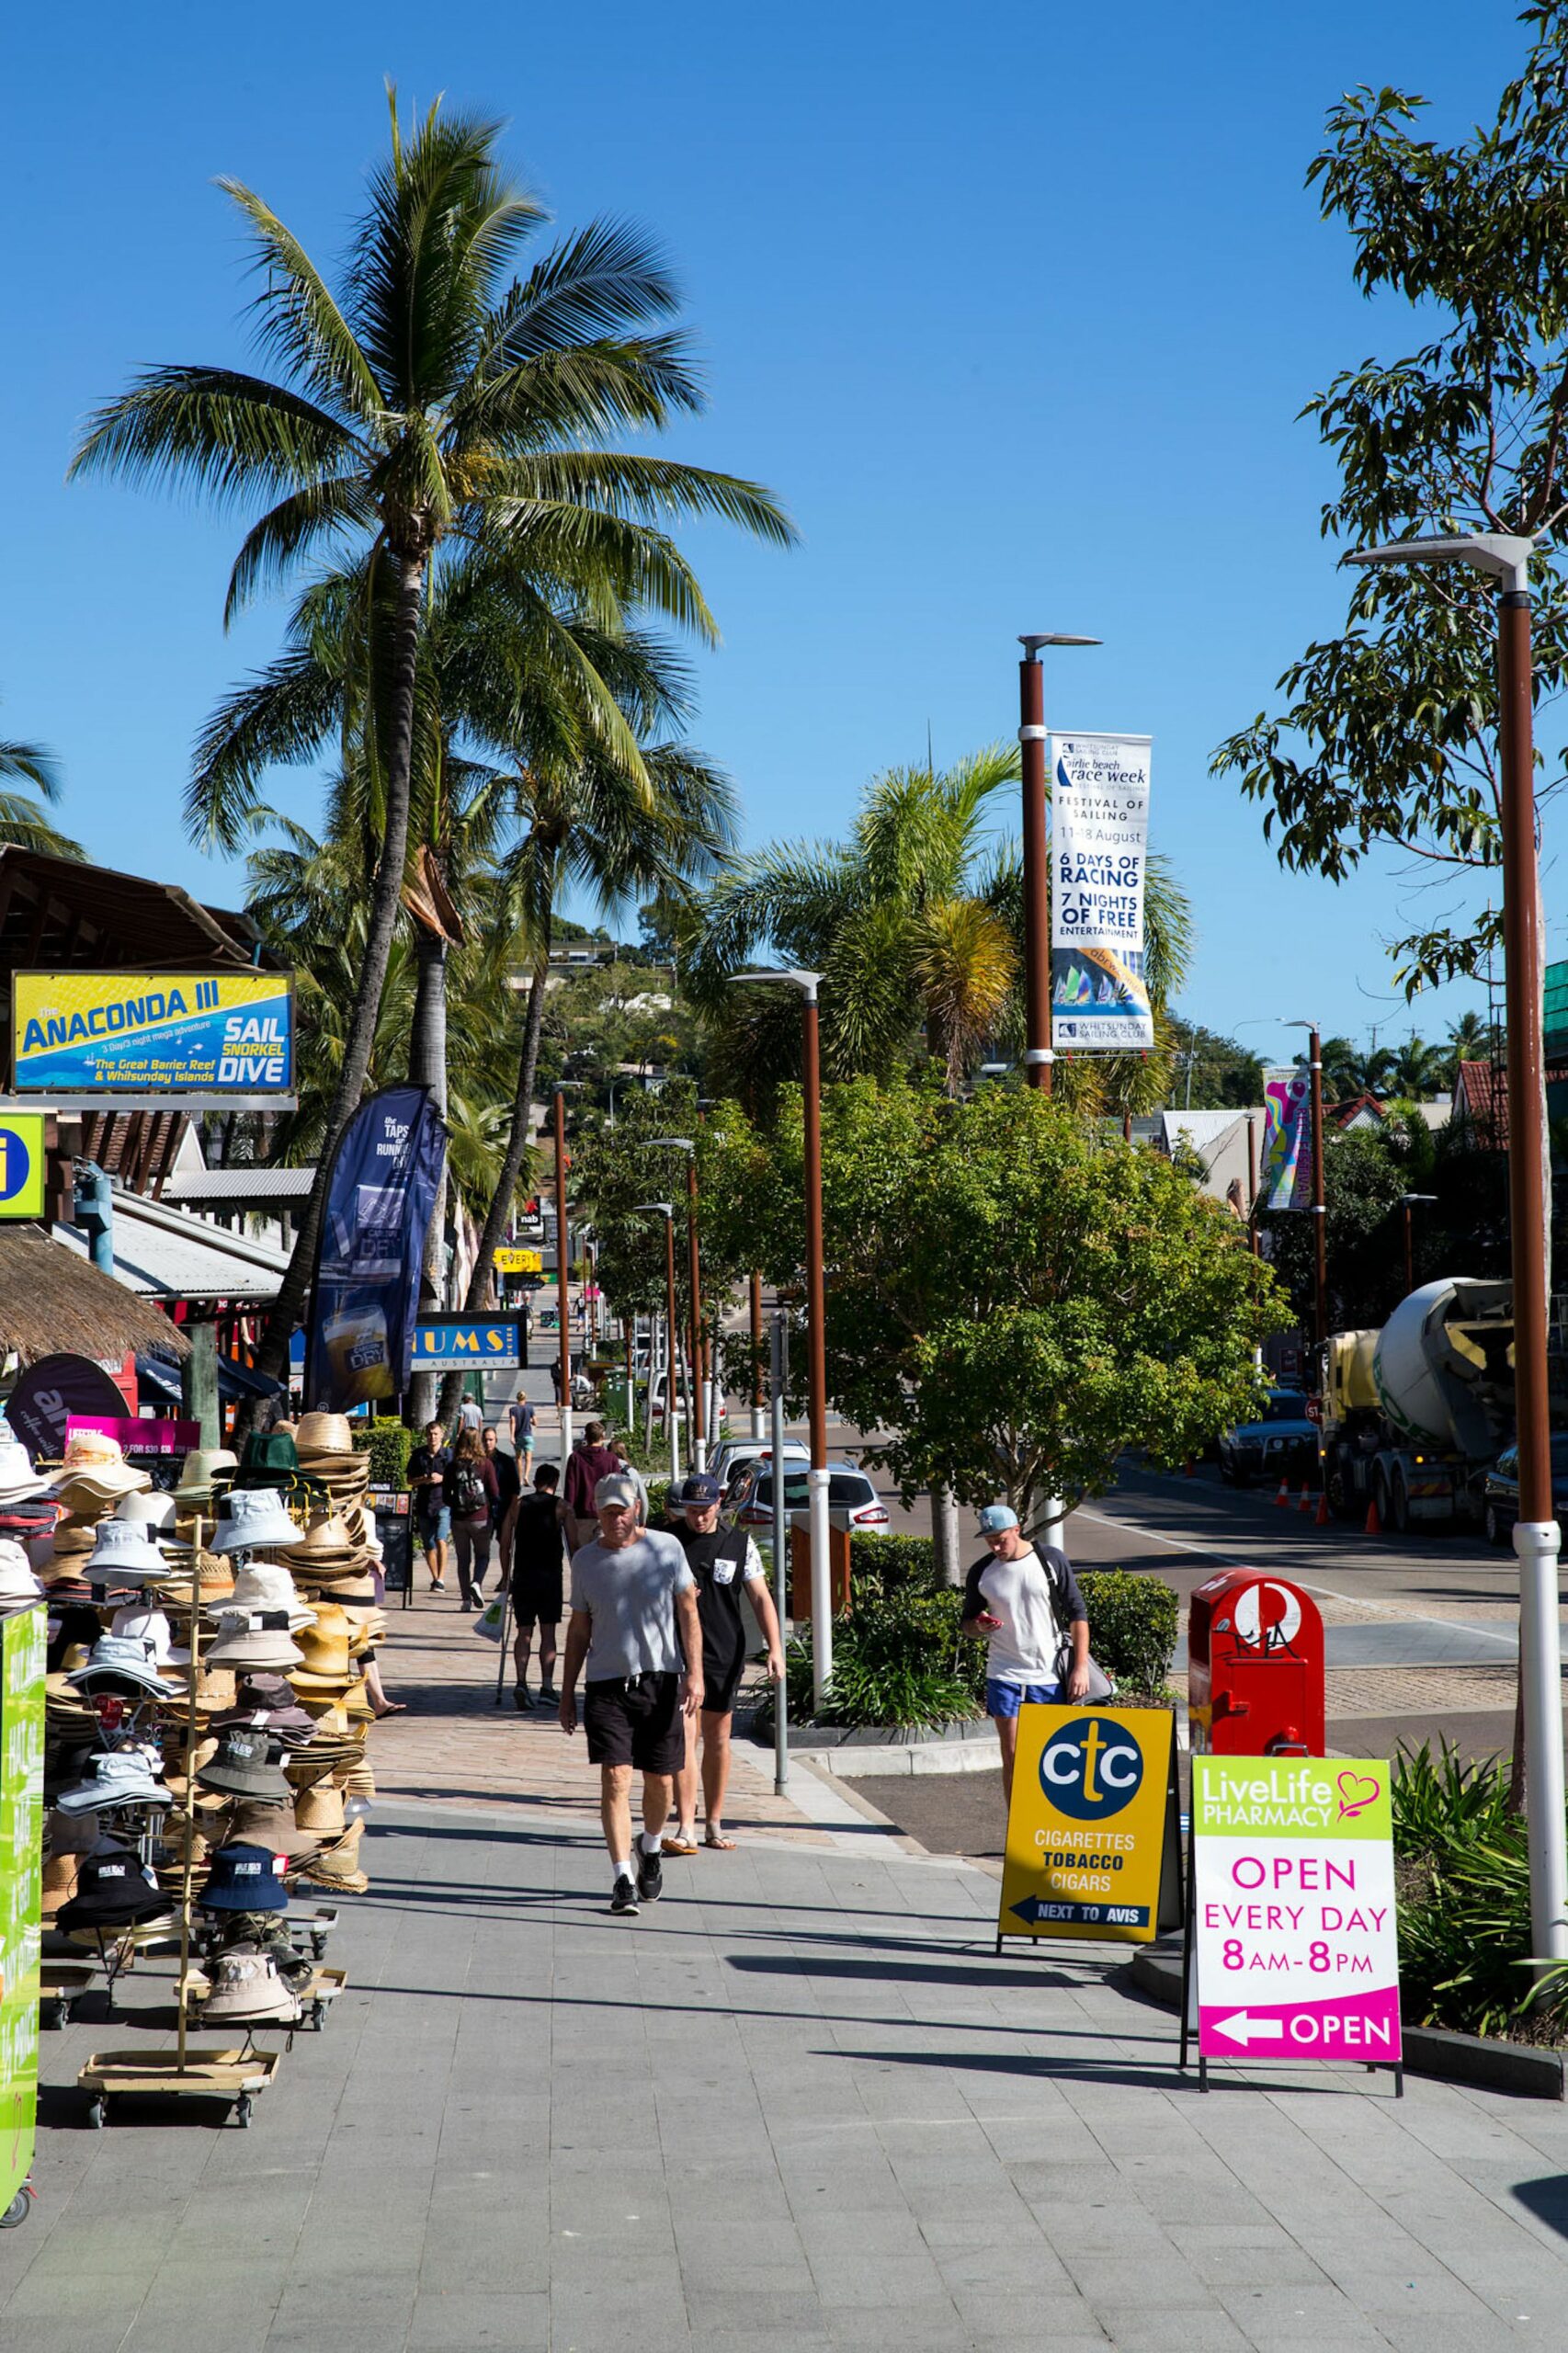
(1026, 1607)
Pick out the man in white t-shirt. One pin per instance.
(1021, 1603)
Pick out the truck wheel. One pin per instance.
(1400, 1501)
(1381, 1498)
(1496, 1532)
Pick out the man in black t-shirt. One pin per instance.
(722, 1560)
(508, 1488)
(538, 1559)
(429, 1467)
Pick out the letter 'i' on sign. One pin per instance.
(1092, 1848)
(22, 1166)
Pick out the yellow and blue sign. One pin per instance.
(448, 1340)
(153, 1032)
(21, 1165)
(1091, 1841)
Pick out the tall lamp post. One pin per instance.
(816, 1313)
(1038, 1056)
(1537, 1536)
(564, 1285)
(1408, 1201)
(666, 1211)
(1320, 1208)
(694, 1279)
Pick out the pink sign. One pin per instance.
(143, 1438)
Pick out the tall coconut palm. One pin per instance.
(23, 825)
(435, 396)
(1414, 1070)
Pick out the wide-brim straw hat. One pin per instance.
(323, 1646)
(214, 1687)
(357, 1701)
(326, 1544)
(102, 1484)
(319, 1808)
(323, 1434)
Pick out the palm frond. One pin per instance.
(225, 433)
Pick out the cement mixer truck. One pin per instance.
(1413, 1416)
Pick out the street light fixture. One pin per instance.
(794, 977)
(1505, 558)
(1408, 1201)
(1320, 1211)
(694, 1275)
(666, 1211)
(1037, 1055)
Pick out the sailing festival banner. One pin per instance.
(1099, 998)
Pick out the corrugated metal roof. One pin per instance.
(237, 1187)
(162, 1254)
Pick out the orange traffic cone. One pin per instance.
(1374, 1524)
(1320, 1517)
(1282, 1500)
(1306, 1502)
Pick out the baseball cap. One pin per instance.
(701, 1488)
(996, 1517)
(614, 1487)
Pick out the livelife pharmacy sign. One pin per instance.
(1294, 1909)
(141, 1033)
(1091, 1826)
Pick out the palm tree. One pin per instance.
(22, 822)
(1414, 1071)
(1345, 1074)
(1471, 1039)
(434, 398)
(915, 922)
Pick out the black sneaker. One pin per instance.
(520, 1697)
(650, 1878)
(624, 1896)
(549, 1697)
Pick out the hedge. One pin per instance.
(1132, 1625)
(389, 1443)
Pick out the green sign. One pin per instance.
(21, 1165)
(22, 1642)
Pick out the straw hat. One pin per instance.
(260, 1638)
(357, 1701)
(328, 1434)
(214, 1686)
(101, 1484)
(200, 1470)
(319, 1808)
(60, 1876)
(326, 1544)
(324, 1648)
(87, 1446)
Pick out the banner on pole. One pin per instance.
(1286, 1179)
(378, 1205)
(1099, 824)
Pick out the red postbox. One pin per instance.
(1255, 1668)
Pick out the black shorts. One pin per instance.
(636, 1720)
(722, 1682)
(537, 1594)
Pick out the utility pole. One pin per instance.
(1037, 1054)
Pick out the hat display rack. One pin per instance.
(259, 1599)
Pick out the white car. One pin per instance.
(749, 1502)
(736, 1452)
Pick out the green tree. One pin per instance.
(1414, 1071)
(437, 397)
(22, 822)
(1386, 737)
(1364, 1173)
(1211, 1071)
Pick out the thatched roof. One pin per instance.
(51, 1300)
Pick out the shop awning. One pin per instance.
(236, 1382)
(162, 1254)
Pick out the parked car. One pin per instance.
(1500, 1493)
(749, 1502)
(737, 1454)
(1281, 1444)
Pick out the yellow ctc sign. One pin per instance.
(21, 1165)
(1091, 1830)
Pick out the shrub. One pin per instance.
(889, 1563)
(389, 1444)
(658, 1499)
(898, 1661)
(1132, 1625)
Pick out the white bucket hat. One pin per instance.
(152, 1509)
(123, 1554)
(266, 1585)
(18, 1477)
(119, 1776)
(121, 1658)
(254, 1518)
(17, 1584)
(148, 1625)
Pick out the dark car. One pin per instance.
(1281, 1444)
(1500, 1495)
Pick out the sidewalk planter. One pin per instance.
(855, 1752)
(1521, 2068)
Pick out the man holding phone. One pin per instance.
(1023, 1605)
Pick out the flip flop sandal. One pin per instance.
(713, 1839)
(393, 1708)
(677, 1847)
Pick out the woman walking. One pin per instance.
(1026, 1607)
(471, 1484)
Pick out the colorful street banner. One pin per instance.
(160, 1033)
(1092, 1837)
(21, 1165)
(443, 1340)
(380, 1201)
(23, 1642)
(1099, 824)
(1294, 1940)
(1286, 1178)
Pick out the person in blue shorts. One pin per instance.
(1024, 1606)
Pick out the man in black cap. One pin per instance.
(724, 1562)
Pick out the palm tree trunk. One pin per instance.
(427, 1067)
(501, 1200)
(272, 1357)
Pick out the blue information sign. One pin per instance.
(450, 1340)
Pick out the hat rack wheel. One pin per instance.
(97, 2115)
(318, 1945)
(241, 2111)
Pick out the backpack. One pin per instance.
(468, 1497)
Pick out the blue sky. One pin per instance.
(1014, 308)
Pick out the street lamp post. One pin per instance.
(694, 1278)
(1038, 1056)
(1320, 1208)
(756, 1396)
(563, 1278)
(1408, 1201)
(816, 1315)
(666, 1211)
(1537, 1536)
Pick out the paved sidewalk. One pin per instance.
(809, 2111)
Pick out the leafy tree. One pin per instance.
(1386, 738)
(22, 822)
(1364, 1173)
(1211, 1071)
(1345, 1071)
(436, 397)
(1414, 1072)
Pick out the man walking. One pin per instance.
(520, 1414)
(633, 1626)
(725, 1562)
(428, 1466)
(508, 1490)
(589, 1461)
(537, 1558)
(1027, 1608)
